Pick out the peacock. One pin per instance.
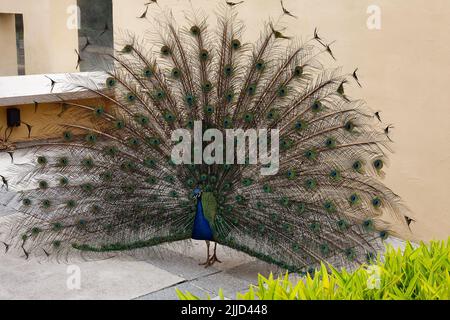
(113, 185)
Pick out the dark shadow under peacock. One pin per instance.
(112, 186)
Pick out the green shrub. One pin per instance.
(421, 273)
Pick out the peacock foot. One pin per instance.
(213, 260)
(206, 263)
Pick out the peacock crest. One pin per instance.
(113, 185)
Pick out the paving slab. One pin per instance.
(170, 292)
(106, 279)
(249, 271)
(228, 283)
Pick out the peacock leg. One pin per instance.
(206, 263)
(213, 258)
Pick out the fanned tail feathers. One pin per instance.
(112, 185)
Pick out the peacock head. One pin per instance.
(197, 193)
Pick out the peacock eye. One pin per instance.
(119, 124)
(204, 55)
(91, 138)
(134, 142)
(151, 180)
(106, 176)
(235, 44)
(42, 160)
(260, 65)
(189, 99)
(87, 163)
(301, 207)
(207, 86)
(209, 109)
(330, 143)
(310, 154)
(251, 89)
(376, 202)
(343, 224)
(57, 226)
(46, 204)
(384, 235)
(99, 111)
(317, 106)
(282, 91)
(315, 226)
(349, 126)
(143, 120)
(248, 117)
(357, 165)
(63, 181)
(56, 244)
(169, 117)
(43, 184)
(324, 249)
(291, 174)
(130, 97)
(148, 73)
(127, 49)
(176, 73)
(378, 164)
(354, 199)
(350, 254)
(159, 94)
(329, 206)
(227, 124)
(310, 184)
(87, 187)
(229, 97)
(228, 70)
(111, 82)
(71, 204)
(63, 161)
(165, 50)
(195, 30)
(368, 224)
(67, 135)
(298, 71)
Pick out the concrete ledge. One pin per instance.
(18, 90)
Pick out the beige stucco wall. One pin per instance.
(8, 62)
(405, 71)
(47, 119)
(404, 68)
(49, 44)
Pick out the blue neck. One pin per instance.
(201, 229)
